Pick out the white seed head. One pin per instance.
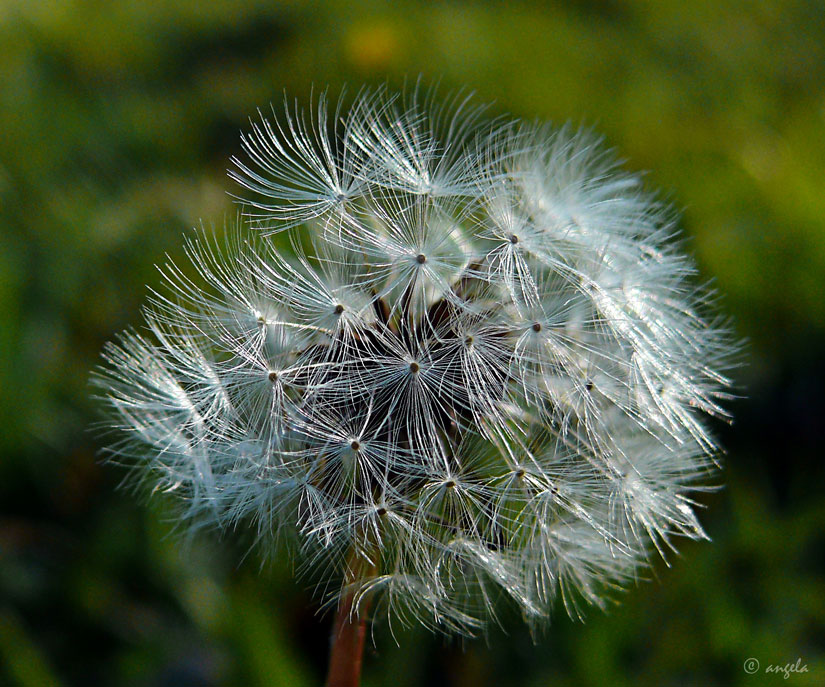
(482, 368)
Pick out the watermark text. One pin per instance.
(752, 666)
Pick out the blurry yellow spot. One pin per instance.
(761, 157)
(371, 46)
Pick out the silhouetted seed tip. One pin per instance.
(421, 258)
(414, 367)
(381, 511)
(589, 385)
(513, 239)
(273, 376)
(355, 445)
(468, 340)
(537, 327)
(450, 484)
(339, 309)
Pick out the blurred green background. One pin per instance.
(116, 123)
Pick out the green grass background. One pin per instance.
(116, 123)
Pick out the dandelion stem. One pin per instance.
(348, 635)
(350, 628)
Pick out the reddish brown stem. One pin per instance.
(348, 635)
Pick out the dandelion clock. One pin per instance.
(481, 376)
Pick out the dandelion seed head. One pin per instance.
(482, 367)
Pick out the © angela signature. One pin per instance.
(751, 666)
